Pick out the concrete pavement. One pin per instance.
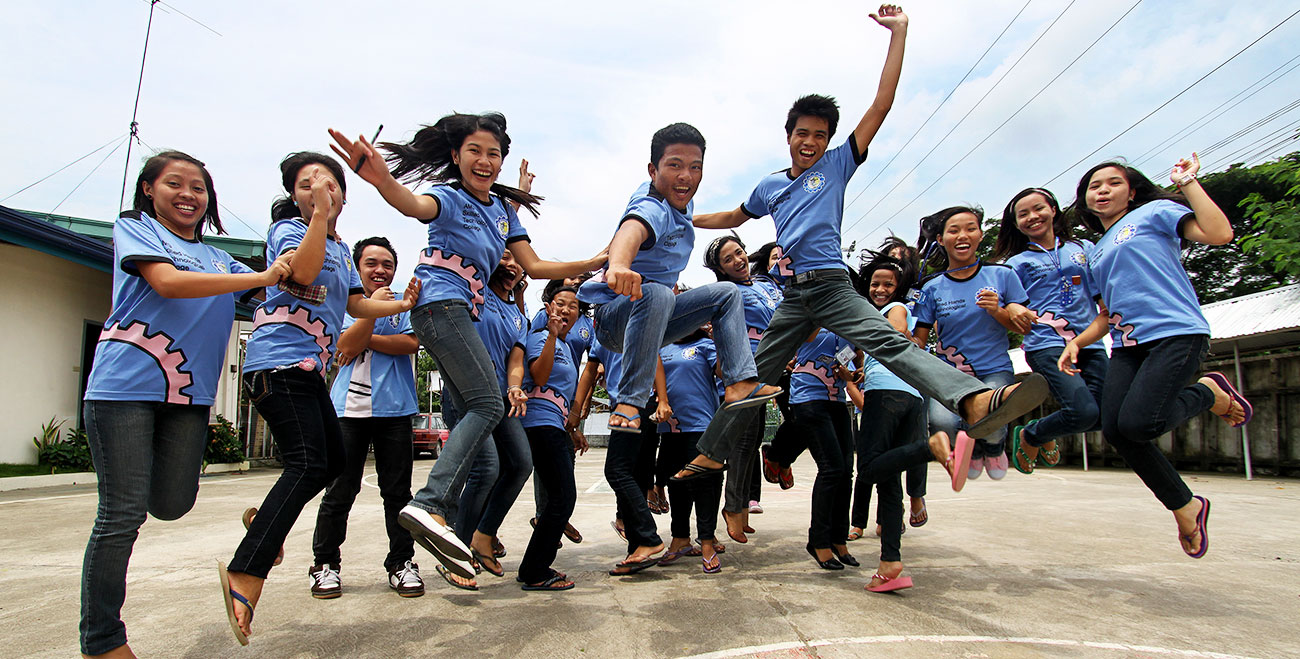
(1062, 563)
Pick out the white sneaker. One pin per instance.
(976, 468)
(997, 466)
(325, 582)
(406, 580)
(754, 508)
(438, 539)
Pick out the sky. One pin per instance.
(585, 84)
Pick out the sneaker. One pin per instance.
(997, 466)
(438, 539)
(406, 580)
(325, 582)
(976, 468)
(755, 508)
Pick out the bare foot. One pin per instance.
(456, 578)
(631, 422)
(702, 461)
(736, 524)
(1224, 405)
(120, 652)
(941, 451)
(745, 389)
(251, 588)
(1189, 534)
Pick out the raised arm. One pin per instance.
(1209, 225)
(373, 170)
(540, 269)
(381, 302)
(893, 18)
(724, 220)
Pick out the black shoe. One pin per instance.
(846, 558)
(831, 564)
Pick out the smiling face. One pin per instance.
(1034, 218)
(677, 174)
(377, 267)
(733, 261)
(1108, 194)
(302, 188)
(180, 197)
(808, 142)
(880, 290)
(479, 159)
(961, 236)
(564, 305)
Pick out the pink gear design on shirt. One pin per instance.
(300, 318)
(157, 346)
(755, 333)
(783, 266)
(822, 374)
(1117, 321)
(955, 358)
(548, 394)
(673, 423)
(456, 264)
(1058, 325)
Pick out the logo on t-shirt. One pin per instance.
(688, 353)
(814, 183)
(392, 322)
(519, 323)
(584, 333)
(503, 225)
(1125, 234)
(1079, 258)
(988, 289)
(221, 267)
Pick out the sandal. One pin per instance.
(694, 471)
(855, 533)
(231, 597)
(1049, 457)
(557, 582)
(1018, 455)
(635, 418)
(447, 576)
(752, 400)
(958, 463)
(712, 565)
(249, 514)
(498, 549)
(920, 517)
(1008, 403)
(1201, 519)
(572, 534)
(482, 560)
(889, 584)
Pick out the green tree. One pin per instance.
(1275, 242)
(424, 365)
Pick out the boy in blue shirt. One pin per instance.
(806, 203)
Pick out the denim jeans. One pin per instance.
(830, 441)
(891, 439)
(831, 302)
(447, 332)
(147, 458)
(1079, 396)
(621, 464)
(495, 481)
(701, 494)
(638, 329)
(391, 437)
(942, 419)
(552, 452)
(1147, 395)
(298, 410)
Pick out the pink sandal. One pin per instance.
(889, 584)
(959, 461)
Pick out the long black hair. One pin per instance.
(932, 226)
(427, 157)
(758, 260)
(285, 207)
(153, 168)
(1142, 188)
(903, 269)
(1012, 241)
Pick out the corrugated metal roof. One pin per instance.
(1275, 310)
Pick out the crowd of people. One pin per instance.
(689, 371)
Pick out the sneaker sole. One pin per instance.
(446, 552)
(327, 596)
(409, 593)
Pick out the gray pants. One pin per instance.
(830, 302)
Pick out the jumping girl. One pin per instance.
(155, 374)
(1158, 332)
(1034, 240)
(471, 222)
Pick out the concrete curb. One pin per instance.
(48, 480)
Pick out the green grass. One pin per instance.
(7, 470)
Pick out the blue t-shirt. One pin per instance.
(878, 378)
(613, 362)
(501, 327)
(1057, 285)
(665, 252)
(376, 383)
(549, 405)
(466, 242)
(1136, 270)
(813, 377)
(689, 370)
(579, 337)
(290, 331)
(808, 209)
(761, 297)
(968, 337)
(153, 348)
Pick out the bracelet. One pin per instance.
(1186, 178)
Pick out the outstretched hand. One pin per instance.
(890, 16)
(372, 168)
(525, 177)
(412, 294)
(1185, 169)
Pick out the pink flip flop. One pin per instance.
(1222, 380)
(889, 585)
(959, 462)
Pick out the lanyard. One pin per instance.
(1067, 285)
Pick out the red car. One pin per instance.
(429, 433)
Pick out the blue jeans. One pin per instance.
(1079, 396)
(552, 452)
(147, 458)
(830, 441)
(638, 329)
(298, 410)
(391, 438)
(495, 481)
(1147, 395)
(942, 419)
(447, 332)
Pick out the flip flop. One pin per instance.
(1049, 457)
(249, 514)
(959, 461)
(854, 534)
(1201, 519)
(482, 559)
(771, 470)
(572, 534)
(712, 566)
(738, 538)
(1222, 380)
(1018, 451)
(630, 419)
(889, 584)
(622, 533)
(751, 400)
(1007, 405)
(446, 576)
(694, 471)
(498, 549)
(671, 557)
(438, 539)
(917, 520)
(230, 596)
(632, 567)
(550, 584)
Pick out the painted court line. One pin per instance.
(882, 640)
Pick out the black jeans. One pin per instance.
(891, 439)
(740, 466)
(830, 440)
(621, 467)
(391, 437)
(298, 410)
(702, 494)
(553, 464)
(1146, 396)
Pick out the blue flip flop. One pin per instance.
(753, 399)
(630, 419)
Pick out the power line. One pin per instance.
(1171, 100)
(940, 105)
(135, 110)
(219, 204)
(88, 175)
(192, 19)
(44, 178)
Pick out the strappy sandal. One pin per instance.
(1008, 403)
(1049, 457)
(557, 582)
(231, 596)
(1018, 454)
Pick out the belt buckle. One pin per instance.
(805, 277)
